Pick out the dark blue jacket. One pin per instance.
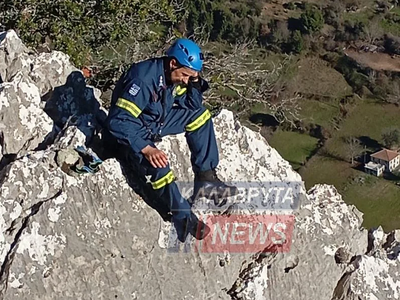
(136, 106)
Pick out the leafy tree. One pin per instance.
(391, 137)
(392, 44)
(348, 68)
(200, 14)
(224, 20)
(291, 6)
(295, 43)
(280, 32)
(312, 19)
(256, 7)
(247, 28)
(353, 30)
(80, 28)
(223, 24)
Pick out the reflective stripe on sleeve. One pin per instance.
(129, 106)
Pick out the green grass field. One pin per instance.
(321, 169)
(318, 112)
(390, 27)
(377, 198)
(363, 16)
(315, 77)
(294, 147)
(368, 119)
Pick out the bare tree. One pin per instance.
(353, 148)
(372, 76)
(251, 82)
(281, 32)
(200, 35)
(394, 96)
(374, 30)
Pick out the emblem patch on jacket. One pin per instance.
(134, 90)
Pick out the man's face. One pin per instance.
(179, 74)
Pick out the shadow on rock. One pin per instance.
(73, 104)
(107, 147)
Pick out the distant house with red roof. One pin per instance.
(383, 160)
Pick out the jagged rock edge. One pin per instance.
(8, 260)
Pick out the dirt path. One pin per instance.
(376, 61)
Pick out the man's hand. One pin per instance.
(194, 78)
(156, 157)
(194, 82)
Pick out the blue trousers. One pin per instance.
(200, 136)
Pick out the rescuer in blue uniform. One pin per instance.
(163, 96)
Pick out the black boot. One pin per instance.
(191, 225)
(207, 184)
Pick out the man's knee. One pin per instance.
(161, 180)
(200, 119)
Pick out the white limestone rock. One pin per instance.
(92, 237)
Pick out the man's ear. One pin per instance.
(173, 64)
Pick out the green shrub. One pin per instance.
(79, 28)
(224, 20)
(312, 19)
(296, 44)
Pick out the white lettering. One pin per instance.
(278, 193)
(266, 194)
(280, 233)
(288, 196)
(253, 192)
(223, 236)
(259, 232)
(235, 232)
(240, 197)
(187, 192)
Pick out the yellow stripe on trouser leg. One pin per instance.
(200, 121)
(129, 106)
(163, 181)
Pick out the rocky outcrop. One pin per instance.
(69, 236)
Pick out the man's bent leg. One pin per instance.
(162, 184)
(200, 137)
(202, 143)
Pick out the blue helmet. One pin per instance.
(187, 53)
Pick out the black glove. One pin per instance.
(198, 83)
